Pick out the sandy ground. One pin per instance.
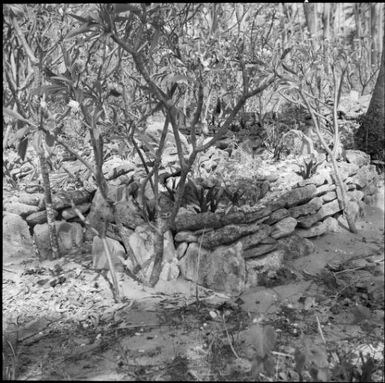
(157, 334)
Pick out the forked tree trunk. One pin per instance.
(371, 133)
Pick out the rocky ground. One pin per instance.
(60, 320)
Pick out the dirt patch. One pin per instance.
(60, 321)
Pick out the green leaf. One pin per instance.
(22, 148)
(83, 29)
(50, 139)
(16, 115)
(179, 78)
(49, 89)
(80, 18)
(66, 57)
(17, 9)
(22, 132)
(62, 78)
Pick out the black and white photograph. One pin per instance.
(193, 192)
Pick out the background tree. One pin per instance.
(370, 136)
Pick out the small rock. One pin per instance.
(20, 209)
(170, 271)
(181, 250)
(298, 196)
(324, 189)
(39, 217)
(355, 195)
(357, 157)
(309, 208)
(271, 261)
(316, 179)
(31, 199)
(259, 250)
(327, 209)
(329, 196)
(70, 213)
(186, 236)
(17, 241)
(284, 228)
(331, 224)
(315, 231)
(276, 216)
(254, 239)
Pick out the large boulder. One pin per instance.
(99, 258)
(142, 243)
(296, 246)
(69, 235)
(221, 270)
(346, 170)
(363, 176)
(17, 241)
(298, 196)
(100, 212)
(269, 262)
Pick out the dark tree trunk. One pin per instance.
(370, 135)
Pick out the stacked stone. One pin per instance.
(223, 251)
(262, 237)
(27, 212)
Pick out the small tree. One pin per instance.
(179, 51)
(307, 83)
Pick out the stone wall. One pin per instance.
(275, 230)
(225, 251)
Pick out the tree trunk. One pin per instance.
(342, 198)
(310, 10)
(326, 20)
(338, 18)
(370, 136)
(48, 204)
(373, 34)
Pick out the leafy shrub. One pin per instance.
(308, 168)
(234, 196)
(203, 197)
(150, 209)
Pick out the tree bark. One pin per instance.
(370, 136)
